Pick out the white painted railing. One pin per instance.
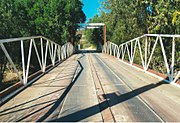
(43, 48)
(146, 53)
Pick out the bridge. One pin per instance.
(89, 86)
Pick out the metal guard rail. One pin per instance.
(55, 51)
(129, 48)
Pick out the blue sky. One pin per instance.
(91, 8)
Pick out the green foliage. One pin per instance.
(126, 19)
(52, 18)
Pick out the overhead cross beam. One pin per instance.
(95, 24)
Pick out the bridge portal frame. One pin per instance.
(96, 25)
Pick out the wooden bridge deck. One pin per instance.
(94, 87)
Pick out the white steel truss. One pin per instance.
(54, 50)
(129, 48)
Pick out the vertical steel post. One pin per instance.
(59, 53)
(54, 55)
(104, 34)
(114, 50)
(45, 59)
(131, 51)
(42, 55)
(64, 55)
(23, 63)
(52, 49)
(145, 62)
(29, 58)
(172, 63)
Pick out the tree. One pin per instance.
(129, 19)
(53, 19)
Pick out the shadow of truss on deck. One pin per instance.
(114, 98)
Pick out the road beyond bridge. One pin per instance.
(94, 87)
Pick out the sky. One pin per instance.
(91, 8)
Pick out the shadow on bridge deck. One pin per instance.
(48, 103)
(114, 98)
(58, 102)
